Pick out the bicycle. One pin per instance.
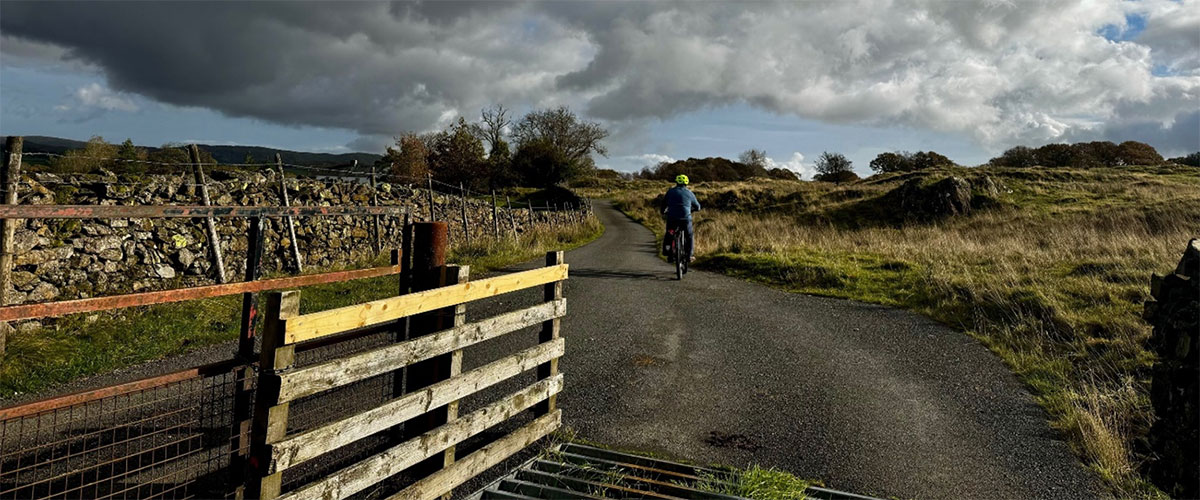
(675, 246)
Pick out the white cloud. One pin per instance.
(795, 164)
(633, 163)
(93, 98)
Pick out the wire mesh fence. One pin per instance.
(171, 440)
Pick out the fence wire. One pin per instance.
(170, 441)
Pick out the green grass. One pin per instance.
(79, 346)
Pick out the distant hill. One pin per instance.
(223, 154)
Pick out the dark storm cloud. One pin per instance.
(1001, 72)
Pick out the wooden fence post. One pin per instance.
(453, 275)
(511, 220)
(431, 217)
(462, 198)
(270, 417)
(549, 333)
(530, 216)
(495, 218)
(214, 240)
(11, 177)
(291, 222)
(375, 219)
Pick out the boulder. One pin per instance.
(164, 271)
(948, 197)
(23, 280)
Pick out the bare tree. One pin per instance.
(573, 138)
(755, 157)
(491, 130)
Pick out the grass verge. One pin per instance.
(1051, 276)
(87, 344)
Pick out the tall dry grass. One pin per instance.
(1052, 277)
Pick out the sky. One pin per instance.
(669, 80)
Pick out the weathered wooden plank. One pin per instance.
(181, 211)
(482, 459)
(308, 445)
(336, 373)
(315, 325)
(27, 311)
(367, 472)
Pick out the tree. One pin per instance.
(541, 163)
(457, 157)
(887, 163)
(491, 128)
(1055, 155)
(755, 157)
(1139, 153)
(560, 129)
(922, 160)
(409, 159)
(833, 167)
(1191, 160)
(1017, 156)
(128, 151)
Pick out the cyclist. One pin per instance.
(680, 203)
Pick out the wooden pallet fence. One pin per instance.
(280, 383)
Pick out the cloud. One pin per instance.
(1000, 72)
(633, 163)
(93, 100)
(795, 164)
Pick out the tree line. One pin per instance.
(543, 148)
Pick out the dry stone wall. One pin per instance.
(78, 258)
(1174, 438)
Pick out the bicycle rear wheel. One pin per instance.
(679, 255)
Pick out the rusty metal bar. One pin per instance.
(81, 397)
(28, 311)
(181, 211)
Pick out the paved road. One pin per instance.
(867, 398)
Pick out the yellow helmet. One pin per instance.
(681, 179)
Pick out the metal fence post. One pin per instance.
(511, 220)
(495, 218)
(245, 355)
(430, 178)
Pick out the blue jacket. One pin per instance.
(681, 203)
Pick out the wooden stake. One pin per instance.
(291, 222)
(375, 219)
(511, 219)
(431, 218)
(11, 176)
(462, 198)
(495, 218)
(270, 418)
(214, 240)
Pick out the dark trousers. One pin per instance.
(689, 234)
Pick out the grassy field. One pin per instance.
(80, 346)
(1050, 273)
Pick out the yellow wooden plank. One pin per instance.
(315, 325)
(325, 376)
(433, 485)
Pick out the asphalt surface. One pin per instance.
(868, 399)
(712, 369)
